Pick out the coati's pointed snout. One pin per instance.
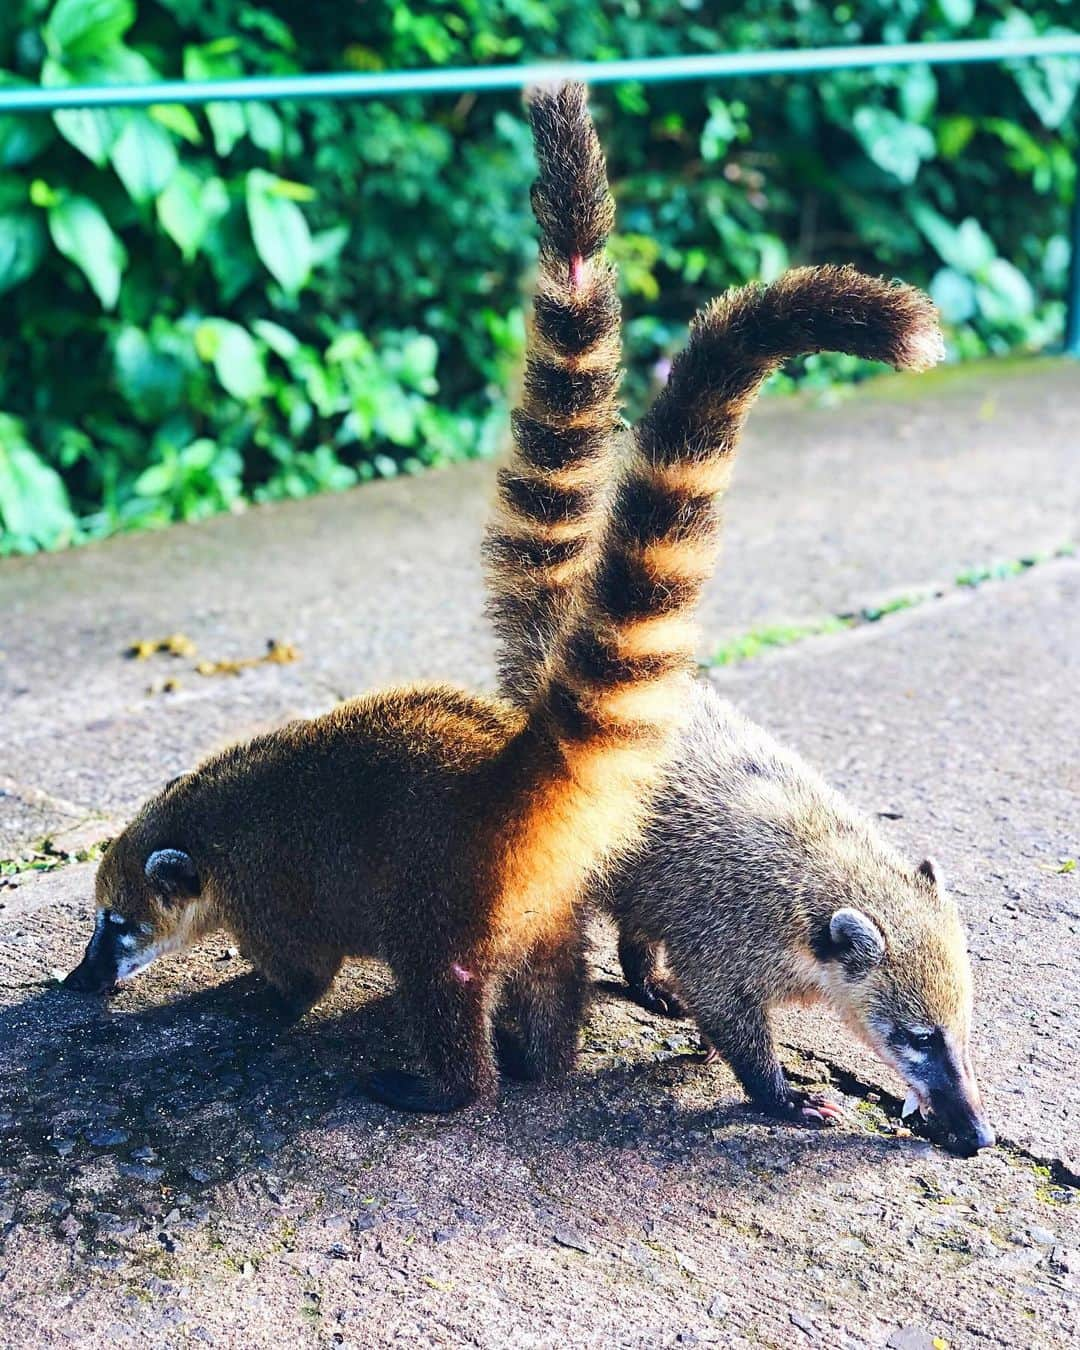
(97, 972)
(960, 1113)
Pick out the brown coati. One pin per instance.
(450, 834)
(759, 883)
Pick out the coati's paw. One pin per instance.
(813, 1109)
(658, 996)
(410, 1092)
(512, 1058)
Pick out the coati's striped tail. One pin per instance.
(613, 674)
(552, 493)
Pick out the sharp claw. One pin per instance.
(811, 1113)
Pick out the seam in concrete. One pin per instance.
(756, 642)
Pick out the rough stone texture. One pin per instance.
(174, 1170)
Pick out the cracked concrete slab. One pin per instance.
(176, 1169)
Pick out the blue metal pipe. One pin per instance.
(458, 80)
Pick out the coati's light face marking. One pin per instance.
(908, 996)
(143, 912)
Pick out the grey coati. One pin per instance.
(450, 834)
(760, 884)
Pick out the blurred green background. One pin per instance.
(244, 303)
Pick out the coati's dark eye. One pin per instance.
(919, 1040)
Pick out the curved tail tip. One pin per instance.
(923, 345)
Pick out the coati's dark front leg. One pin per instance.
(739, 1032)
(450, 1011)
(298, 987)
(648, 986)
(547, 1000)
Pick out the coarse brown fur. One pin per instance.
(449, 834)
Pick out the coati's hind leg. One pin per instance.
(546, 999)
(451, 1023)
(648, 985)
(738, 1029)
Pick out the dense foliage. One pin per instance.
(205, 307)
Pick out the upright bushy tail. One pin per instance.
(612, 691)
(552, 494)
(611, 675)
(616, 642)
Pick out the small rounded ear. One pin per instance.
(928, 870)
(856, 941)
(173, 875)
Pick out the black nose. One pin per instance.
(89, 977)
(966, 1125)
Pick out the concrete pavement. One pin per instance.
(172, 1171)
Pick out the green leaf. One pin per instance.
(235, 356)
(918, 92)
(22, 135)
(264, 127)
(280, 341)
(90, 130)
(33, 500)
(151, 381)
(155, 481)
(81, 233)
(216, 62)
(327, 244)
(22, 246)
(280, 232)
(1049, 85)
(188, 208)
(144, 158)
(177, 119)
(957, 13)
(81, 28)
(894, 145)
(954, 295)
(1004, 293)
(967, 247)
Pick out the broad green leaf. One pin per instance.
(188, 207)
(1004, 293)
(974, 249)
(155, 481)
(22, 246)
(719, 131)
(235, 357)
(22, 136)
(967, 247)
(81, 28)
(327, 244)
(216, 62)
(177, 119)
(918, 92)
(280, 232)
(957, 13)
(280, 341)
(33, 500)
(90, 130)
(81, 233)
(1049, 85)
(144, 157)
(264, 127)
(894, 145)
(152, 381)
(954, 295)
